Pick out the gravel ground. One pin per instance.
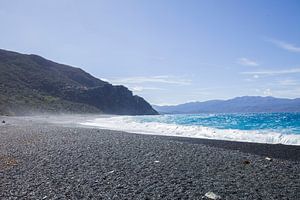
(44, 161)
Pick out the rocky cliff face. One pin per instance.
(30, 83)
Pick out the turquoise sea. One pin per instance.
(286, 123)
(281, 128)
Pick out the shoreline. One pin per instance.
(152, 127)
(280, 151)
(40, 160)
(112, 122)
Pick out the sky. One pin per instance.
(170, 51)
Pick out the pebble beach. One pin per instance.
(40, 160)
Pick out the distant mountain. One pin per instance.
(30, 83)
(244, 104)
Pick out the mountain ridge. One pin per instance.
(242, 104)
(32, 84)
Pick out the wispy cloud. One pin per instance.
(165, 79)
(284, 92)
(141, 88)
(274, 72)
(288, 82)
(285, 45)
(288, 92)
(267, 92)
(247, 62)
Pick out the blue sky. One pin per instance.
(167, 51)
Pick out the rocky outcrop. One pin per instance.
(30, 83)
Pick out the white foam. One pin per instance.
(126, 123)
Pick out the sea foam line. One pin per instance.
(128, 124)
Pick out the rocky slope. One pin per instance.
(31, 84)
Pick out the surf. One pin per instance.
(172, 126)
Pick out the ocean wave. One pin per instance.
(129, 124)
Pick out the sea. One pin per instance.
(273, 128)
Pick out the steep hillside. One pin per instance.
(30, 84)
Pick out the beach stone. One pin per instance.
(3, 121)
(268, 158)
(212, 195)
(246, 162)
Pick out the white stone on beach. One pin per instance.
(268, 158)
(212, 195)
(156, 161)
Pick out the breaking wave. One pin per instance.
(135, 125)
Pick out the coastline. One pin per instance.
(181, 127)
(43, 160)
(280, 151)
